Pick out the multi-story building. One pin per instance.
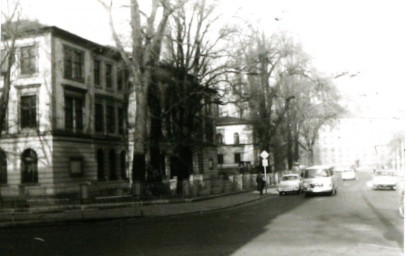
(66, 119)
(66, 115)
(356, 141)
(236, 151)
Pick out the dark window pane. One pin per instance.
(68, 113)
(100, 165)
(67, 62)
(78, 114)
(109, 76)
(121, 120)
(73, 63)
(111, 119)
(29, 167)
(99, 118)
(220, 159)
(237, 158)
(28, 112)
(96, 70)
(120, 80)
(112, 163)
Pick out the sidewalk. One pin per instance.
(94, 212)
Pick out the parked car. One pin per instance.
(348, 174)
(319, 179)
(290, 183)
(384, 179)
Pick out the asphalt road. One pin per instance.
(357, 221)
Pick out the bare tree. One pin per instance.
(319, 107)
(194, 52)
(257, 64)
(147, 33)
(9, 32)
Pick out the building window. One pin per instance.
(121, 120)
(237, 158)
(73, 63)
(76, 166)
(3, 167)
(28, 108)
(220, 158)
(96, 72)
(120, 80)
(109, 76)
(123, 169)
(73, 113)
(100, 165)
(219, 138)
(99, 118)
(111, 125)
(236, 138)
(112, 163)
(29, 167)
(28, 59)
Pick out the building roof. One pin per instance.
(24, 28)
(229, 120)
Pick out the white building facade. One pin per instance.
(65, 118)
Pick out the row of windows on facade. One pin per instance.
(74, 114)
(29, 166)
(237, 158)
(73, 67)
(220, 138)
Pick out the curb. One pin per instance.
(135, 210)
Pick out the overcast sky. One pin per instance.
(340, 35)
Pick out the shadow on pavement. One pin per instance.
(215, 233)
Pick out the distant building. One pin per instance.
(236, 152)
(357, 142)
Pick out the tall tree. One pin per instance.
(147, 33)
(258, 82)
(193, 51)
(319, 107)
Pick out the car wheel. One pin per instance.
(280, 193)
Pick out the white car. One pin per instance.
(384, 179)
(290, 183)
(319, 179)
(348, 174)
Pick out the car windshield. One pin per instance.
(290, 177)
(315, 173)
(384, 173)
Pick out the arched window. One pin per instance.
(112, 163)
(3, 167)
(100, 165)
(29, 167)
(236, 138)
(123, 169)
(219, 138)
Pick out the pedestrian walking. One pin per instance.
(260, 183)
